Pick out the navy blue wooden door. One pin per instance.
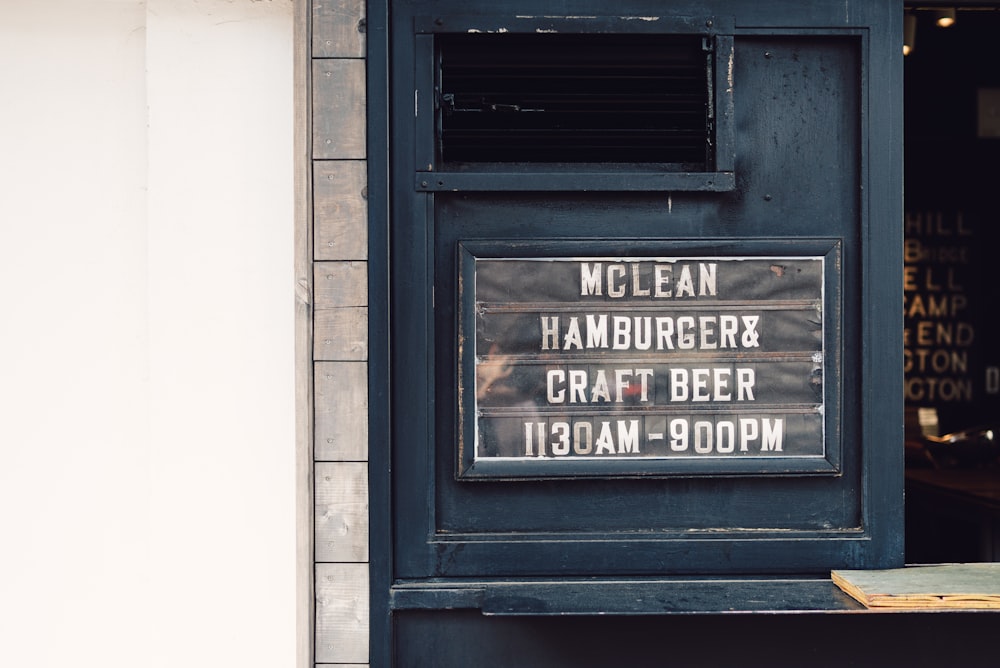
(619, 346)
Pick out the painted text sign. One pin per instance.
(604, 358)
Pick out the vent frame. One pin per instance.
(440, 166)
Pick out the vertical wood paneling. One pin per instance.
(341, 511)
(338, 288)
(338, 29)
(342, 613)
(341, 397)
(341, 334)
(340, 210)
(338, 97)
(339, 284)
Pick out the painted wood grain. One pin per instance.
(340, 334)
(338, 99)
(339, 284)
(341, 397)
(338, 28)
(340, 217)
(341, 511)
(342, 613)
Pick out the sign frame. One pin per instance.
(470, 466)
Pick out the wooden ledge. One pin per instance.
(628, 596)
(799, 594)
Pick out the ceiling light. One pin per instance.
(944, 18)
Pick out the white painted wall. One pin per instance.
(147, 451)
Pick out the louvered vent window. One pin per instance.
(571, 98)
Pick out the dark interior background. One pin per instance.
(950, 170)
(952, 180)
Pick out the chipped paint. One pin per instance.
(729, 73)
(714, 530)
(549, 16)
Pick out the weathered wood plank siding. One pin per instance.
(339, 194)
(341, 411)
(338, 109)
(342, 512)
(341, 334)
(342, 613)
(338, 29)
(339, 366)
(340, 284)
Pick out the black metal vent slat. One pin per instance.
(573, 98)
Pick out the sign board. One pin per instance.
(642, 365)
